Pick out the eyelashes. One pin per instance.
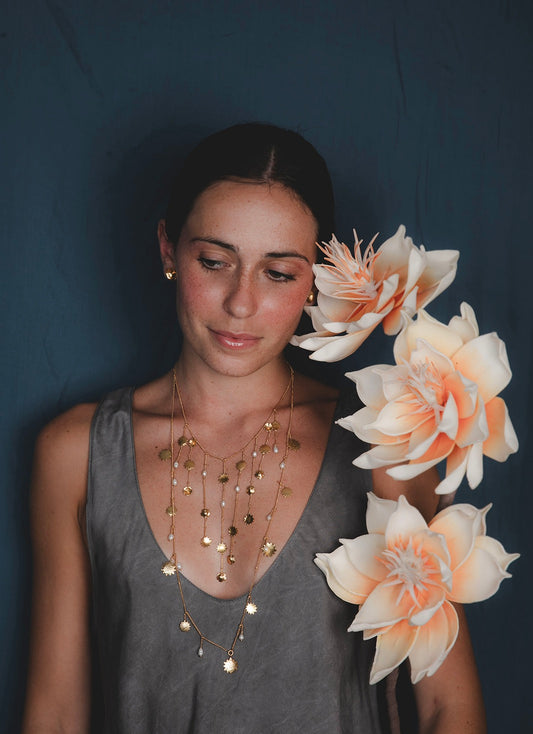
(274, 275)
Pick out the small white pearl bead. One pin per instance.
(204, 473)
(223, 503)
(275, 449)
(171, 537)
(174, 482)
(254, 454)
(237, 488)
(176, 464)
(282, 465)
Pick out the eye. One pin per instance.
(279, 277)
(210, 264)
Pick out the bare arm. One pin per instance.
(58, 692)
(450, 701)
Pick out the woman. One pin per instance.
(179, 521)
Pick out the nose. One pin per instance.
(241, 298)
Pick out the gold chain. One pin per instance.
(267, 547)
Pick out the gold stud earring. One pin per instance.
(170, 274)
(310, 298)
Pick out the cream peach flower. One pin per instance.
(405, 573)
(357, 292)
(440, 401)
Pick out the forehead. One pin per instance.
(244, 213)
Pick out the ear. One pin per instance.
(166, 247)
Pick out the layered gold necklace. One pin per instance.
(247, 467)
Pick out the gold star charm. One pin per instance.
(189, 464)
(206, 540)
(251, 608)
(248, 519)
(165, 454)
(223, 478)
(185, 625)
(168, 568)
(268, 549)
(230, 665)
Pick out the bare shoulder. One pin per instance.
(311, 392)
(62, 454)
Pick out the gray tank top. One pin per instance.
(299, 670)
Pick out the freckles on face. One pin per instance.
(244, 267)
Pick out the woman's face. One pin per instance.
(244, 270)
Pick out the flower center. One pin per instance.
(425, 387)
(354, 274)
(408, 568)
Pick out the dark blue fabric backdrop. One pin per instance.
(423, 111)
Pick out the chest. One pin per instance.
(225, 518)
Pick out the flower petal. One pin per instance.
(378, 512)
(460, 530)
(405, 521)
(484, 361)
(343, 579)
(477, 578)
(502, 439)
(474, 465)
(497, 551)
(383, 455)
(364, 554)
(455, 471)
(433, 642)
(466, 324)
(369, 383)
(384, 606)
(430, 330)
(392, 647)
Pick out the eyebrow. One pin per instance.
(232, 248)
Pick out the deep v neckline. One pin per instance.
(163, 557)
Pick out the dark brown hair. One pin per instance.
(254, 152)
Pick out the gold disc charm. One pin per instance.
(221, 576)
(169, 568)
(259, 474)
(268, 549)
(240, 465)
(223, 478)
(293, 444)
(264, 448)
(165, 454)
(286, 491)
(187, 490)
(189, 464)
(231, 559)
(230, 665)
(171, 510)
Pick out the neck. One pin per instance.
(207, 392)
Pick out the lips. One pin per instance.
(231, 340)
